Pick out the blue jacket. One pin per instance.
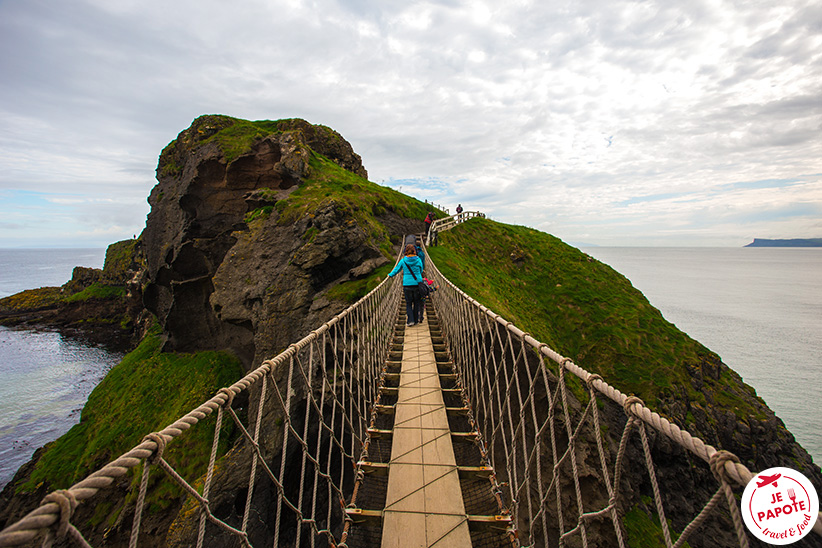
(412, 239)
(414, 265)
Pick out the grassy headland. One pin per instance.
(586, 311)
(366, 201)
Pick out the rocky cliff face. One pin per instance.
(251, 225)
(224, 269)
(244, 241)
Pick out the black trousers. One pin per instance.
(413, 304)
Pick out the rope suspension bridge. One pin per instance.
(460, 431)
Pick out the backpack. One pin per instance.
(425, 289)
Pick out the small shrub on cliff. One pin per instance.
(644, 531)
(259, 213)
(352, 291)
(168, 166)
(98, 291)
(119, 258)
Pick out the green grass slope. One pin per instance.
(367, 202)
(145, 392)
(588, 312)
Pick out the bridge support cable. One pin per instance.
(558, 475)
(310, 408)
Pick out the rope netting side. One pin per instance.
(317, 393)
(544, 441)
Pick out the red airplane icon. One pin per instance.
(767, 480)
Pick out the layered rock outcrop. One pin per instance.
(223, 269)
(233, 263)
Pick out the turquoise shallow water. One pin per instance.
(760, 309)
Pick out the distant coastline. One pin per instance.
(795, 242)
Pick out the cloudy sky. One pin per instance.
(697, 122)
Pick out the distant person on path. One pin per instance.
(412, 239)
(428, 220)
(411, 265)
(459, 209)
(421, 309)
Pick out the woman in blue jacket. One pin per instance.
(411, 265)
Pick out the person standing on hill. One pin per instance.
(459, 209)
(428, 220)
(411, 265)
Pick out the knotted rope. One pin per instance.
(357, 339)
(67, 503)
(481, 342)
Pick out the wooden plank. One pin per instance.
(424, 502)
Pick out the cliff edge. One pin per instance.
(241, 236)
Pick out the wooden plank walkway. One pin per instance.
(424, 505)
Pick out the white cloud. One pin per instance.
(540, 114)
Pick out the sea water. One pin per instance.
(760, 309)
(45, 377)
(32, 268)
(46, 380)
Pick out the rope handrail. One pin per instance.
(369, 332)
(490, 351)
(447, 223)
